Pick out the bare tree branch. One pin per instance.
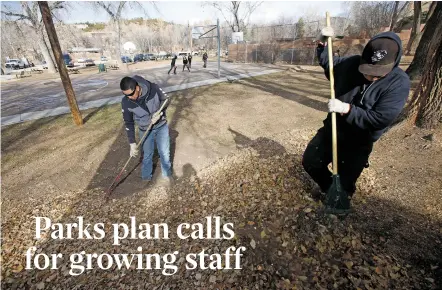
(20, 16)
(238, 11)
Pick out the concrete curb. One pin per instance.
(19, 118)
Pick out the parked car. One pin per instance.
(15, 64)
(89, 62)
(183, 53)
(68, 60)
(138, 57)
(162, 55)
(150, 56)
(126, 59)
(103, 58)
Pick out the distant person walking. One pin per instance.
(172, 65)
(205, 57)
(190, 59)
(185, 61)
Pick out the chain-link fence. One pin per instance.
(286, 43)
(272, 53)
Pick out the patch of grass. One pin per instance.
(94, 26)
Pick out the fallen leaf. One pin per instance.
(431, 280)
(263, 234)
(253, 244)
(19, 268)
(349, 264)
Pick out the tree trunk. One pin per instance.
(235, 14)
(48, 48)
(119, 40)
(427, 45)
(64, 75)
(430, 10)
(425, 107)
(119, 61)
(416, 29)
(394, 16)
(46, 55)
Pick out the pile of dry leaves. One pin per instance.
(264, 193)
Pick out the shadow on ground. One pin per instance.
(301, 94)
(16, 133)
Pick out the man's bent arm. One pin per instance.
(383, 113)
(129, 124)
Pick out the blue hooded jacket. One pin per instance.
(374, 105)
(140, 111)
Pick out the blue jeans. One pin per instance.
(160, 136)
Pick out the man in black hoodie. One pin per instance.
(185, 63)
(205, 57)
(172, 65)
(371, 91)
(190, 59)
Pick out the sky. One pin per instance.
(185, 12)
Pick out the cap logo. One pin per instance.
(378, 55)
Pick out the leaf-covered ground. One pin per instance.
(263, 191)
(393, 241)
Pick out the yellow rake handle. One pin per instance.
(332, 96)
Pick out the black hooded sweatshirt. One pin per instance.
(374, 105)
(173, 61)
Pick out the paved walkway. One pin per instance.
(32, 101)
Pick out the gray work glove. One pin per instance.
(325, 33)
(156, 117)
(133, 149)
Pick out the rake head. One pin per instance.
(336, 200)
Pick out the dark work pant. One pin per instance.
(352, 159)
(184, 66)
(172, 67)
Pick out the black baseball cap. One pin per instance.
(379, 57)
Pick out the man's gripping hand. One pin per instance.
(325, 33)
(133, 149)
(337, 106)
(156, 117)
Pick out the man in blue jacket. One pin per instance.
(371, 91)
(140, 104)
